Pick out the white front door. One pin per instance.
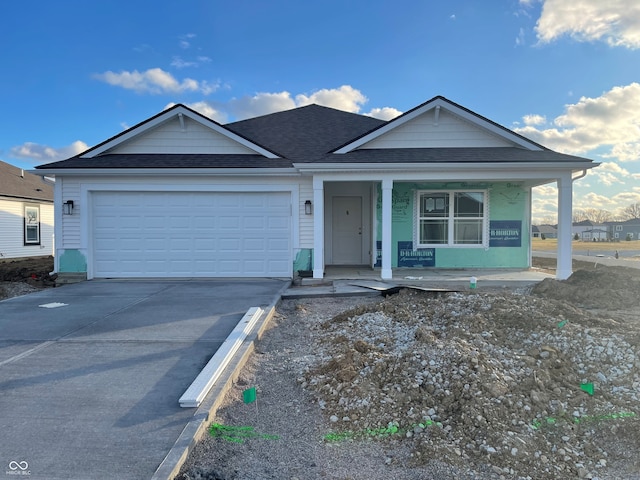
(347, 230)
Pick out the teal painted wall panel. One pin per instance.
(72, 261)
(507, 201)
(303, 260)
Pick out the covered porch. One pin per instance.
(365, 247)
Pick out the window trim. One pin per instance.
(451, 220)
(27, 223)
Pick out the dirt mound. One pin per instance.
(516, 381)
(24, 275)
(601, 287)
(482, 384)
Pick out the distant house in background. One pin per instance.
(549, 231)
(618, 231)
(589, 231)
(26, 214)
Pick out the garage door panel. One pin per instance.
(165, 234)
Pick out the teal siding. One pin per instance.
(507, 201)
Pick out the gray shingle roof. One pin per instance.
(173, 160)
(308, 135)
(448, 155)
(14, 182)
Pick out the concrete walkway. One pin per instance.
(91, 373)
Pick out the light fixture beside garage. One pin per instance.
(307, 207)
(67, 207)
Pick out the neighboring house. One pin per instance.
(549, 231)
(594, 235)
(26, 213)
(629, 229)
(180, 195)
(589, 231)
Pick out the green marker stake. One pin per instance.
(587, 387)
(562, 323)
(249, 395)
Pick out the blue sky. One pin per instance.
(565, 73)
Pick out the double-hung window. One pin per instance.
(450, 218)
(31, 225)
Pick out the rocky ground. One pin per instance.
(481, 384)
(25, 275)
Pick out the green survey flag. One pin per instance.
(249, 395)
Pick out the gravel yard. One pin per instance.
(484, 384)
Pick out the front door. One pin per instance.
(347, 230)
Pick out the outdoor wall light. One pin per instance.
(307, 207)
(67, 207)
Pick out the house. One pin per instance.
(589, 231)
(26, 214)
(549, 231)
(180, 195)
(626, 230)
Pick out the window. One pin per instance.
(31, 225)
(450, 218)
(618, 228)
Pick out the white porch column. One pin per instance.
(564, 253)
(318, 228)
(387, 187)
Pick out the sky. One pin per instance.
(564, 73)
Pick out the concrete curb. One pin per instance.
(197, 426)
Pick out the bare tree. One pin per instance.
(579, 216)
(598, 215)
(632, 211)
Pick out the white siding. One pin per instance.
(170, 138)
(12, 229)
(450, 131)
(306, 221)
(71, 223)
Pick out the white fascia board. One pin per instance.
(101, 172)
(169, 114)
(439, 102)
(440, 167)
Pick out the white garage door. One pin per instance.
(185, 234)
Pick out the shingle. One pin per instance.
(448, 155)
(305, 133)
(173, 160)
(14, 182)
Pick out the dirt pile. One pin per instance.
(601, 287)
(25, 275)
(526, 384)
(482, 384)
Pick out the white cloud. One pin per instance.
(616, 22)
(155, 81)
(534, 119)
(611, 120)
(261, 104)
(184, 40)
(179, 62)
(520, 40)
(42, 153)
(344, 98)
(385, 113)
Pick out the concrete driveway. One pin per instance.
(89, 389)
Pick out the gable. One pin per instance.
(178, 130)
(181, 135)
(437, 129)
